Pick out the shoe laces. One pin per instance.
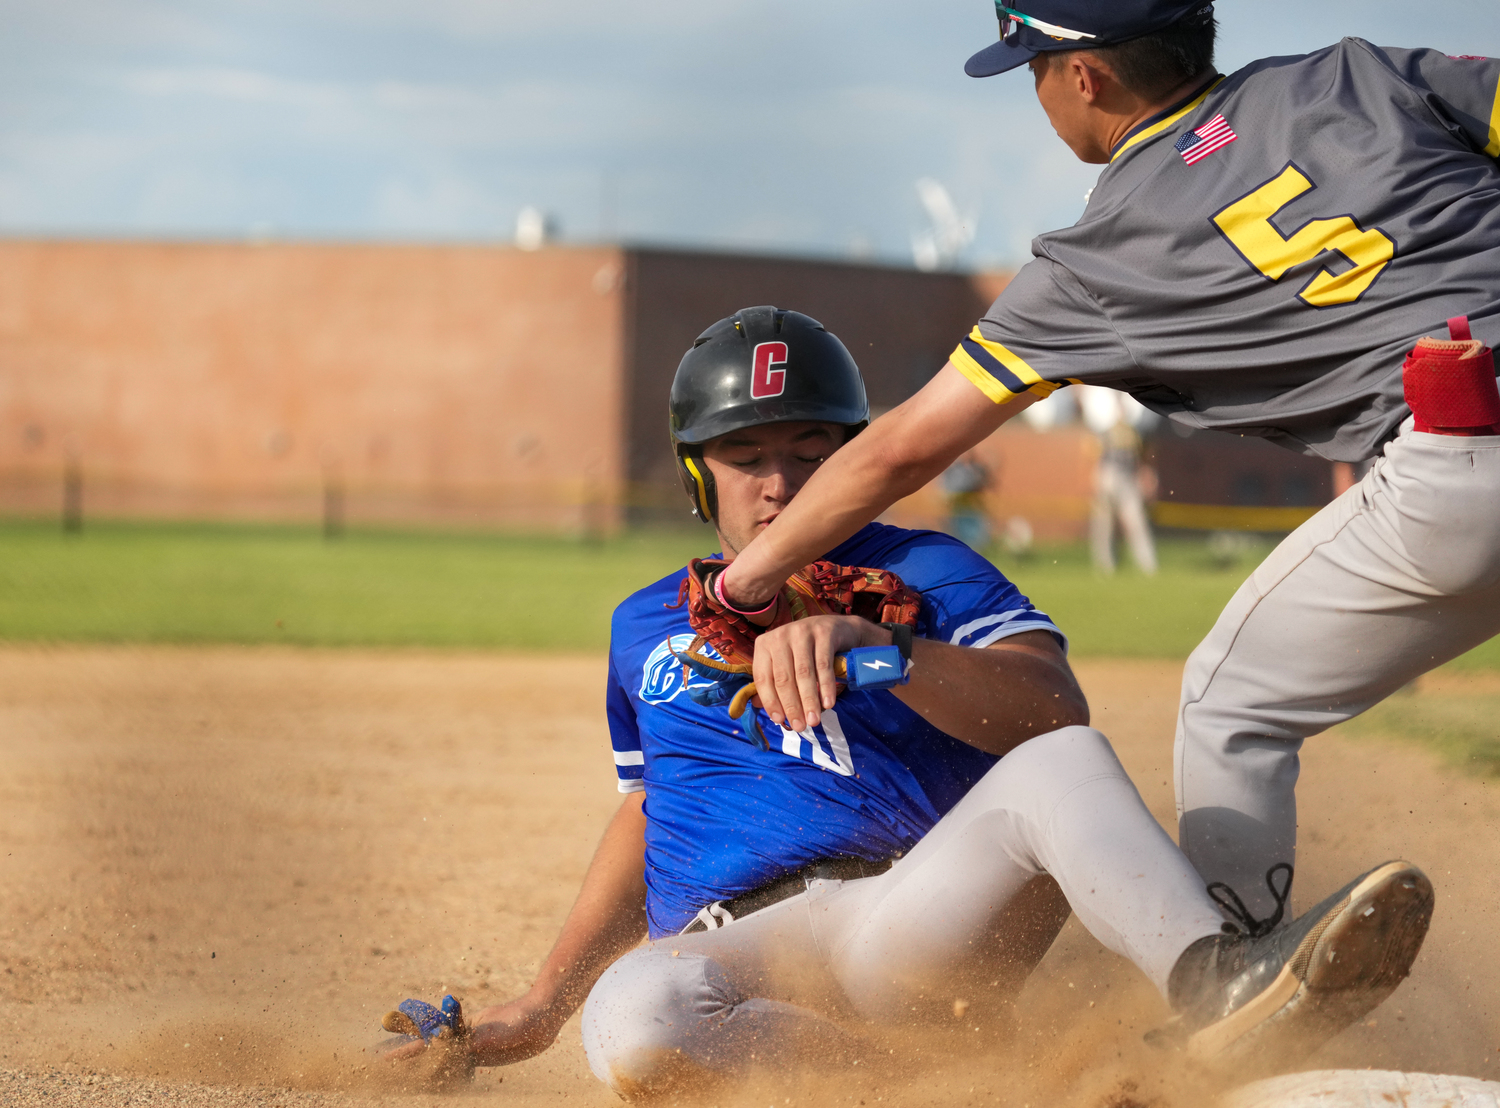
(1229, 900)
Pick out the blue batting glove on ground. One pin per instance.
(420, 1020)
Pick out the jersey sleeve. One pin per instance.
(624, 735)
(1043, 331)
(966, 601)
(1463, 93)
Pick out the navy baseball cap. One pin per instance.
(1046, 25)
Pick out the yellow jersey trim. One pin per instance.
(997, 372)
(1161, 125)
(986, 384)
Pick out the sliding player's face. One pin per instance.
(757, 471)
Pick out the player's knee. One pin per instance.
(1070, 749)
(641, 1018)
(1034, 774)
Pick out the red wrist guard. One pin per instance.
(1450, 386)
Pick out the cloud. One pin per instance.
(43, 31)
(767, 125)
(443, 203)
(515, 19)
(242, 85)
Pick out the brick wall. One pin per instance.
(457, 384)
(465, 385)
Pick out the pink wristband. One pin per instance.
(718, 590)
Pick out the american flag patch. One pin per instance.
(1202, 141)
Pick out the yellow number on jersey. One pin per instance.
(1247, 224)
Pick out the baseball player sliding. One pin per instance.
(1307, 250)
(919, 844)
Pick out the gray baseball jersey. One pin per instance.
(1260, 258)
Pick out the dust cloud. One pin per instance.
(222, 866)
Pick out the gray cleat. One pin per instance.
(1287, 990)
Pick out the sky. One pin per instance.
(785, 126)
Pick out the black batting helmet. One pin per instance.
(761, 365)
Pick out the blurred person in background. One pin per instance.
(964, 485)
(1118, 420)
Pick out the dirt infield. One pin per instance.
(221, 866)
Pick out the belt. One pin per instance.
(846, 868)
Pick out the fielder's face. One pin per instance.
(757, 471)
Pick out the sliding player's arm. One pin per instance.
(994, 697)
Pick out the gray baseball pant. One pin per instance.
(1397, 576)
(976, 902)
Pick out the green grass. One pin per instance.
(1459, 724)
(1130, 615)
(204, 583)
(225, 583)
(1133, 616)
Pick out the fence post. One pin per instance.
(333, 503)
(72, 506)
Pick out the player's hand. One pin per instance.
(429, 1066)
(498, 1036)
(432, 1047)
(514, 1031)
(794, 678)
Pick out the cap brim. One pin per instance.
(999, 58)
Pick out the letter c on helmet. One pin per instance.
(766, 380)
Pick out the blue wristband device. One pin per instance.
(866, 668)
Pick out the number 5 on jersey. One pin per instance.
(1247, 225)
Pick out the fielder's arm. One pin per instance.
(995, 697)
(894, 457)
(608, 919)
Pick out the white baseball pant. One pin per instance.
(1397, 576)
(974, 901)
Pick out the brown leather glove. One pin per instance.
(823, 588)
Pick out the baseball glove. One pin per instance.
(447, 1061)
(823, 588)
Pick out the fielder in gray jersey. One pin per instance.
(1261, 252)
(1238, 292)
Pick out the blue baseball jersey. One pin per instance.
(725, 817)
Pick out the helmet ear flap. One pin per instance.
(697, 481)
